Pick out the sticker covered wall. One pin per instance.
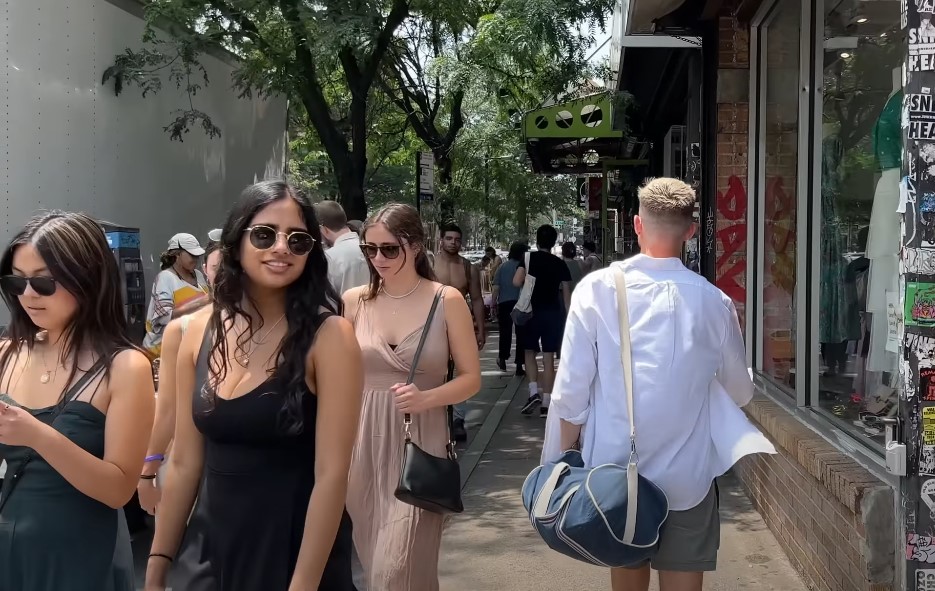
(916, 415)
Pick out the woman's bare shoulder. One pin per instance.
(197, 323)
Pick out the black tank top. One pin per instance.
(258, 479)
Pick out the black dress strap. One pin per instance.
(69, 395)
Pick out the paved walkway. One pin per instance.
(491, 546)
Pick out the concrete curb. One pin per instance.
(471, 457)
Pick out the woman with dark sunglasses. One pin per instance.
(268, 388)
(397, 543)
(76, 404)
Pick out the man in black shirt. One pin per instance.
(551, 296)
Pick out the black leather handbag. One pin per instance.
(427, 481)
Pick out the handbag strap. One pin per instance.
(70, 395)
(407, 418)
(626, 361)
(626, 356)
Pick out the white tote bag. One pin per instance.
(522, 311)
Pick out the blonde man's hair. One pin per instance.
(667, 201)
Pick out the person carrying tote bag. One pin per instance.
(522, 311)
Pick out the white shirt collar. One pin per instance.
(351, 235)
(641, 261)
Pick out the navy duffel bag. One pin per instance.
(608, 515)
(594, 514)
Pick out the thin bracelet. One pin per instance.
(148, 477)
(155, 458)
(166, 556)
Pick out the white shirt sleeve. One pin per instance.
(733, 373)
(571, 396)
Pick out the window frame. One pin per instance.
(803, 403)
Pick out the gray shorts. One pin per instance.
(690, 539)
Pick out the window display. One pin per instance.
(859, 225)
(780, 51)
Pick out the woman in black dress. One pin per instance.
(76, 405)
(269, 385)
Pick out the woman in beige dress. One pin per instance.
(397, 543)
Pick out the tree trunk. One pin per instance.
(522, 218)
(351, 188)
(446, 201)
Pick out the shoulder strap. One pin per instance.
(425, 331)
(69, 395)
(626, 359)
(527, 263)
(79, 386)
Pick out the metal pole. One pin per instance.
(418, 183)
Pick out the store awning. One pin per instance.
(575, 136)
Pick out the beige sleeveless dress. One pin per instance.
(397, 543)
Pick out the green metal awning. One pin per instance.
(574, 137)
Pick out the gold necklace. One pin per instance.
(48, 375)
(401, 297)
(244, 360)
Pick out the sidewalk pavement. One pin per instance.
(492, 546)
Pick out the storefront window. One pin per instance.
(859, 226)
(780, 46)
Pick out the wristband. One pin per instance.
(157, 555)
(148, 477)
(155, 458)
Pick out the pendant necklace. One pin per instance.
(401, 297)
(49, 374)
(244, 360)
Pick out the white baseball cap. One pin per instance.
(215, 235)
(186, 242)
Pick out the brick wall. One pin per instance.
(819, 504)
(732, 124)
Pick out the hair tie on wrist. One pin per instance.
(148, 477)
(166, 556)
(155, 458)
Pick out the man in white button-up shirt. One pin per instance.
(347, 267)
(690, 380)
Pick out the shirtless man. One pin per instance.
(453, 269)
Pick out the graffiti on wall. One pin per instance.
(730, 269)
(920, 548)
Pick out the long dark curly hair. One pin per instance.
(305, 298)
(75, 250)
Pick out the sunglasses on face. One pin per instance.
(264, 238)
(389, 251)
(16, 284)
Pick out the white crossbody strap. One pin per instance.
(626, 361)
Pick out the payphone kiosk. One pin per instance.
(125, 244)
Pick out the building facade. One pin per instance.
(814, 124)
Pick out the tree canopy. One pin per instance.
(371, 82)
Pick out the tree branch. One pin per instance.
(397, 15)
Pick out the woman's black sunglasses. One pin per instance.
(16, 284)
(263, 238)
(389, 251)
